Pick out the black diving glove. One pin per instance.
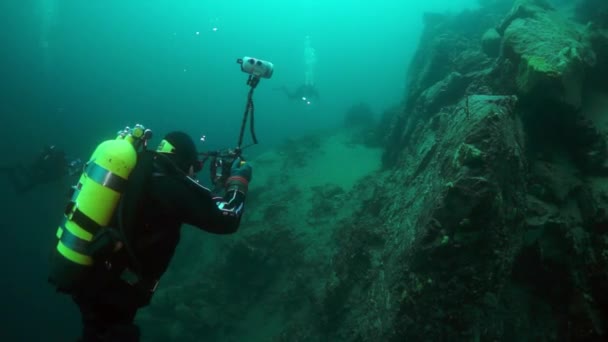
(240, 176)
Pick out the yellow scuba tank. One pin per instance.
(93, 204)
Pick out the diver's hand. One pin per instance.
(240, 176)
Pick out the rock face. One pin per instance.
(513, 247)
(552, 52)
(490, 42)
(488, 220)
(464, 220)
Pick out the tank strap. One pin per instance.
(104, 177)
(85, 222)
(72, 241)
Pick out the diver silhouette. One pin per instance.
(307, 92)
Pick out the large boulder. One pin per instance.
(490, 42)
(552, 52)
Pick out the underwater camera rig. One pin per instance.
(221, 160)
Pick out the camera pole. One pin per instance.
(252, 81)
(222, 160)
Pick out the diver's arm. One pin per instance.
(196, 206)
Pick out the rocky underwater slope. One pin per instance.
(474, 212)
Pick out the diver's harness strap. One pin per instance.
(126, 218)
(131, 276)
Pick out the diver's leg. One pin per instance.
(93, 326)
(102, 322)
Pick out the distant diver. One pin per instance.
(51, 165)
(306, 92)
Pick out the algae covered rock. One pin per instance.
(443, 92)
(553, 53)
(490, 42)
(523, 9)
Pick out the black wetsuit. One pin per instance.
(50, 166)
(158, 200)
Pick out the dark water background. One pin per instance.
(74, 72)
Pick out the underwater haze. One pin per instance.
(170, 64)
(75, 72)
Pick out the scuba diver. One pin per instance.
(306, 92)
(122, 224)
(51, 165)
(135, 249)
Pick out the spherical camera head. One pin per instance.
(256, 67)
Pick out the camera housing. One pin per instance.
(256, 67)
